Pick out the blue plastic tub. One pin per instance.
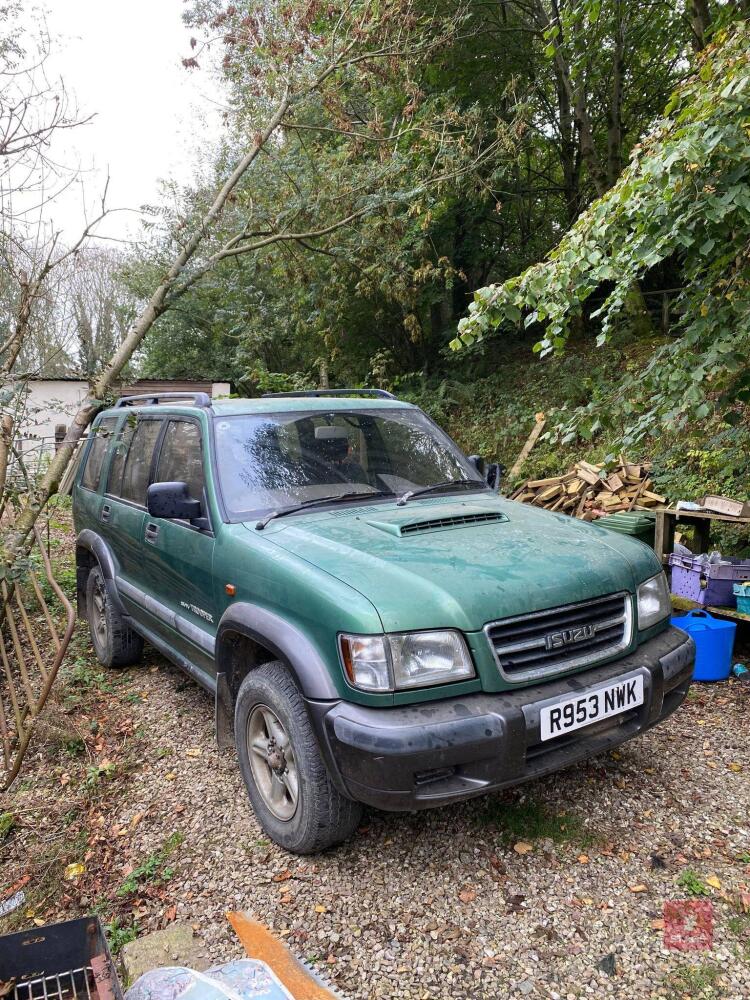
(742, 595)
(714, 640)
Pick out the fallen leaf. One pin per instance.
(286, 898)
(734, 766)
(74, 871)
(745, 902)
(193, 752)
(713, 881)
(657, 925)
(638, 888)
(523, 847)
(136, 820)
(282, 876)
(170, 913)
(180, 808)
(583, 859)
(320, 909)
(467, 895)
(170, 777)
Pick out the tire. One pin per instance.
(114, 642)
(269, 704)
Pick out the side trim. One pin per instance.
(204, 679)
(284, 640)
(181, 625)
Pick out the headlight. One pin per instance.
(405, 660)
(654, 602)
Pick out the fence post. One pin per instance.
(60, 431)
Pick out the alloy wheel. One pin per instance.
(272, 762)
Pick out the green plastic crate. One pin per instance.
(636, 523)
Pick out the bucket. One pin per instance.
(714, 640)
(742, 593)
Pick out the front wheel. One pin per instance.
(287, 781)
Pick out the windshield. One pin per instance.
(273, 460)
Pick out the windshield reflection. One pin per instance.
(270, 461)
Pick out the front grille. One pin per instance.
(559, 639)
(456, 521)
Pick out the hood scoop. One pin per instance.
(439, 523)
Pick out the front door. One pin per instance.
(179, 555)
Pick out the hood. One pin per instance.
(461, 563)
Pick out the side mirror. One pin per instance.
(493, 474)
(172, 501)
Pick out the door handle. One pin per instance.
(106, 511)
(152, 532)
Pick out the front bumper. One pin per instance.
(439, 752)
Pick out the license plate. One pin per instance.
(585, 709)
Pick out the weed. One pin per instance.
(98, 772)
(529, 820)
(119, 935)
(744, 858)
(691, 882)
(698, 982)
(7, 823)
(739, 924)
(74, 746)
(154, 869)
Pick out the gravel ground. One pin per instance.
(441, 904)
(553, 890)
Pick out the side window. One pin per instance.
(138, 461)
(181, 458)
(119, 455)
(97, 453)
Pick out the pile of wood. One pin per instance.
(589, 491)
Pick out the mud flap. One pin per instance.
(224, 713)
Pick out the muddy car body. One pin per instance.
(375, 623)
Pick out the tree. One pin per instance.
(686, 194)
(307, 59)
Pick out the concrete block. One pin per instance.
(175, 945)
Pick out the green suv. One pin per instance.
(375, 623)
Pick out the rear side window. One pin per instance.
(180, 458)
(96, 453)
(119, 456)
(138, 461)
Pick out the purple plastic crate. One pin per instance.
(707, 584)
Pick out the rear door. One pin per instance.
(87, 497)
(178, 554)
(123, 510)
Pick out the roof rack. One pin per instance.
(154, 398)
(380, 393)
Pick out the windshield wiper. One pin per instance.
(333, 498)
(453, 483)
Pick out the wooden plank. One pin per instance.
(536, 430)
(588, 476)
